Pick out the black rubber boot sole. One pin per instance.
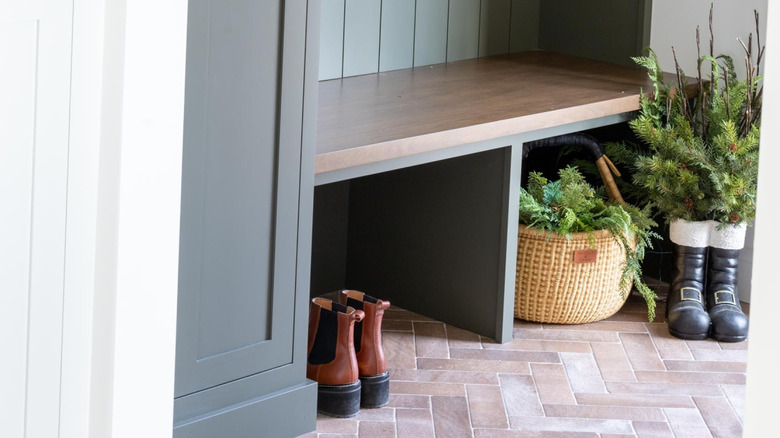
(376, 390)
(340, 401)
(688, 336)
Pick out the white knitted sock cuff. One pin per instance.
(729, 237)
(695, 234)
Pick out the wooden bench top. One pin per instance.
(377, 117)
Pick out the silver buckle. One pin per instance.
(732, 299)
(684, 298)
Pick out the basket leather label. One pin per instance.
(585, 255)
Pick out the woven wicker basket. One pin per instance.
(551, 287)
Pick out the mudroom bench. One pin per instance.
(417, 174)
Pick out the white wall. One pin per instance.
(674, 25)
(763, 383)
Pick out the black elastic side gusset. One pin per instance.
(369, 298)
(338, 307)
(351, 302)
(324, 349)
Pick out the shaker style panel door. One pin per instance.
(240, 190)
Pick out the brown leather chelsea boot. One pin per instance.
(374, 377)
(331, 360)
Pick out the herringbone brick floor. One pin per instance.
(621, 377)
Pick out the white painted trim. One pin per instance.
(763, 383)
(149, 183)
(84, 154)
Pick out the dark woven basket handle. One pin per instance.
(603, 163)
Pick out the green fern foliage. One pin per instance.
(570, 205)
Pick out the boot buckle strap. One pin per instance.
(730, 299)
(690, 294)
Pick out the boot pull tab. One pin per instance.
(382, 304)
(356, 315)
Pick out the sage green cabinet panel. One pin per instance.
(240, 332)
(606, 30)
(397, 36)
(495, 18)
(331, 39)
(463, 30)
(361, 37)
(430, 32)
(524, 27)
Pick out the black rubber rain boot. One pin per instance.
(686, 316)
(729, 323)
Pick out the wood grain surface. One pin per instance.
(370, 118)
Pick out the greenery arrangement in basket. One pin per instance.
(571, 205)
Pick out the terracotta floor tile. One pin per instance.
(704, 344)
(542, 383)
(652, 429)
(520, 396)
(459, 338)
(552, 384)
(659, 401)
(706, 366)
(327, 424)
(510, 355)
(451, 417)
(447, 376)
(539, 345)
(414, 423)
(736, 396)
(379, 414)
(667, 345)
(399, 349)
(721, 355)
(498, 433)
(426, 388)
(493, 366)
(686, 377)
(734, 345)
(605, 412)
(566, 335)
(397, 313)
(578, 425)
(641, 352)
(613, 362)
(430, 339)
(604, 325)
(583, 373)
(486, 406)
(664, 388)
(719, 416)
(687, 423)
(396, 326)
(523, 324)
(409, 401)
(377, 429)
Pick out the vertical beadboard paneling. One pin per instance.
(17, 144)
(397, 36)
(361, 37)
(463, 33)
(331, 39)
(524, 32)
(494, 27)
(430, 41)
